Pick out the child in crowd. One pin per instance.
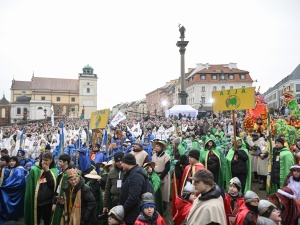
(148, 214)
(184, 203)
(233, 200)
(116, 215)
(155, 181)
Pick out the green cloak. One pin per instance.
(228, 167)
(59, 210)
(218, 152)
(31, 193)
(196, 145)
(155, 181)
(287, 160)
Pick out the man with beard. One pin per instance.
(113, 184)
(140, 154)
(96, 155)
(248, 212)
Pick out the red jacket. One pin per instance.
(159, 221)
(183, 208)
(227, 205)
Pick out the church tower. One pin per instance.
(87, 91)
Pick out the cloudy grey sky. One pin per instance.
(132, 44)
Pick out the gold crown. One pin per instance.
(72, 172)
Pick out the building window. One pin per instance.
(58, 99)
(297, 87)
(43, 98)
(243, 76)
(203, 88)
(3, 113)
(87, 83)
(73, 99)
(214, 88)
(231, 87)
(88, 90)
(243, 86)
(231, 76)
(203, 100)
(40, 108)
(223, 87)
(18, 111)
(202, 77)
(214, 77)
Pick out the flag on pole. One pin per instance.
(21, 137)
(118, 118)
(52, 115)
(61, 138)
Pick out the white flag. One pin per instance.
(52, 115)
(118, 118)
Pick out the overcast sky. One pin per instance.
(132, 44)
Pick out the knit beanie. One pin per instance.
(194, 154)
(147, 205)
(280, 140)
(129, 159)
(118, 156)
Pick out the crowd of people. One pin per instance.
(130, 174)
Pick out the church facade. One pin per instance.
(69, 97)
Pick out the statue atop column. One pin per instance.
(182, 31)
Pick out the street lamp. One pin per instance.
(45, 111)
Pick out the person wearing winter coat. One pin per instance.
(148, 215)
(132, 188)
(78, 194)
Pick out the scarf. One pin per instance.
(73, 212)
(150, 220)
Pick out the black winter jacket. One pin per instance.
(131, 192)
(239, 165)
(88, 203)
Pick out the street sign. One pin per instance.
(99, 119)
(234, 99)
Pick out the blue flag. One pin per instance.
(61, 138)
(21, 136)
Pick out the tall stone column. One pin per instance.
(182, 46)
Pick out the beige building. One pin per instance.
(68, 96)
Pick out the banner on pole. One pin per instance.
(118, 118)
(234, 99)
(99, 119)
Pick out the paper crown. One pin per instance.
(72, 172)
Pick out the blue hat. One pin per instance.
(22, 151)
(147, 205)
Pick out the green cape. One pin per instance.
(30, 201)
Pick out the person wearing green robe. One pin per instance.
(40, 189)
(195, 142)
(156, 182)
(238, 165)
(282, 160)
(213, 159)
(62, 180)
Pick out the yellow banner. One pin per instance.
(99, 119)
(234, 99)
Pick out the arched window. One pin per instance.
(203, 89)
(40, 107)
(223, 87)
(18, 111)
(3, 113)
(214, 88)
(88, 90)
